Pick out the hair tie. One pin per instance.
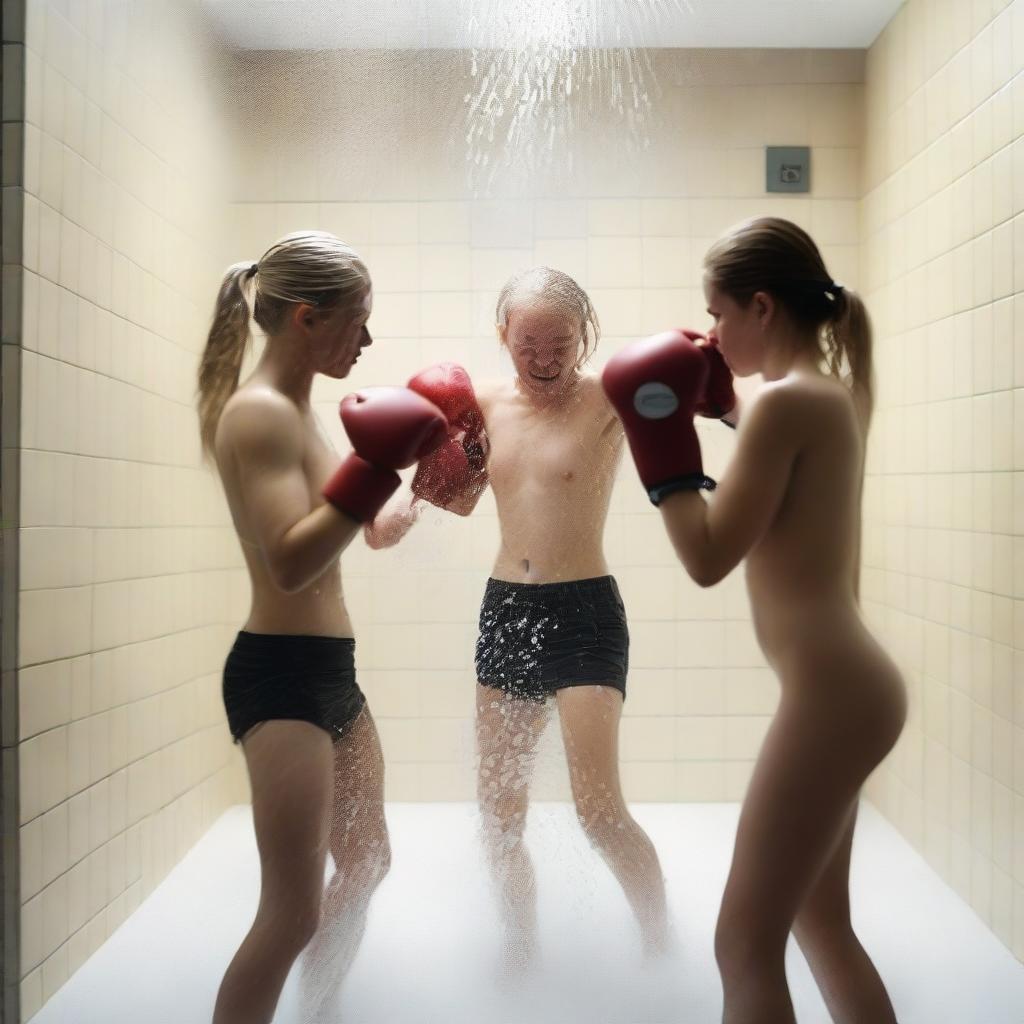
(251, 272)
(833, 289)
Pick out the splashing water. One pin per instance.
(538, 74)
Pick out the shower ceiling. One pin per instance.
(421, 24)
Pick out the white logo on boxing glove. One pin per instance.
(655, 401)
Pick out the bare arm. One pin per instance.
(393, 521)
(711, 539)
(299, 542)
(399, 516)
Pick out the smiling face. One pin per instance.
(544, 343)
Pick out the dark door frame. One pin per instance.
(12, 103)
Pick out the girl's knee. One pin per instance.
(290, 927)
(502, 812)
(745, 941)
(380, 862)
(824, 935)
(306, 927)
(604, 822)
(734, 950)
(502, 830)
(369, 863)
(600, 810)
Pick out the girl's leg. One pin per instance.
(290, 773)
(794, 817)
(853, 991)
(362, 856)
(590, 727)
(507, 731)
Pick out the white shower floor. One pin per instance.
(430, 952)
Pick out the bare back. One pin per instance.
(789, 503)
(808, 556)
(309, 460)
(803, 573)
(552, 470)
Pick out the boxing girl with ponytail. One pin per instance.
(289, 685)
(789, 505)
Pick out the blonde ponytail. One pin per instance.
(221, 362)
(311, 267)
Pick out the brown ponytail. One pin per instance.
(849, 343)
(774, 255)
(226, 343)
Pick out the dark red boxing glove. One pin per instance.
(719, 398)
(655, 386)
(390, 428)
(454, 475)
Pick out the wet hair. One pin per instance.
(774, 255)
(311, 267)
(552, 288)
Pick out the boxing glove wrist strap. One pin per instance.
(691, 482)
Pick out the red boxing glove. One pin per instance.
(655, 386)
(455, 475)
(719, 397)
(390, 428)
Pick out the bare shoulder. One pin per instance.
(259, 422)
(803, 405)
(489, 391)
(593, 391)
(597, 399)
(487, 387)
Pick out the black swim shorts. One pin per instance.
(536, 638)
(282, 676)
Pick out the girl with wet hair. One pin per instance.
(289, 685)
(556, 290)
(789, 504)
(552, 628)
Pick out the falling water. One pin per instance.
(543, 70)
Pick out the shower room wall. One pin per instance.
(126, 601)
(943, 266)
(371, 145)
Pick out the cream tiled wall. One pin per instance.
(943, 267)
(357, 144)
(131, 585)
(128, 568)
